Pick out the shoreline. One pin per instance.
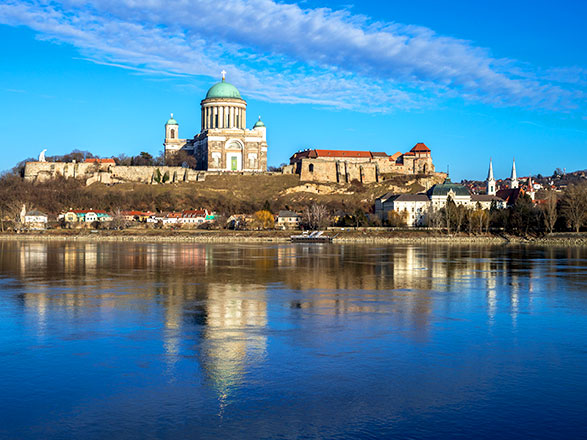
(353, 237)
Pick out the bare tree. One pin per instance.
(119, 221)
(549, 211)
(575, 205)
(316, 216)
(459, 216)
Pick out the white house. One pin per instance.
(35, 220)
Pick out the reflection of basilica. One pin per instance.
(219, 294)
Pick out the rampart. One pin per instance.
(343, 171)
(109, 174)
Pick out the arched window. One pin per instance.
(311, 168)
(172, 133)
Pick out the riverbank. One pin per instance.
(342, 236)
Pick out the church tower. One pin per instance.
(172, 142)
(514, 176)
(490, 182)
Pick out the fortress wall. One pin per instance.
(369, 173)
(107, 173)
(318, 170)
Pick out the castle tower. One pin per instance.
(490, 182)
(514, 176)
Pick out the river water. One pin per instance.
(174, 341)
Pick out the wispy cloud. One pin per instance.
(282, 52)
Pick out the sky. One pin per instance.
(472, 80)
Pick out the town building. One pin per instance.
(416, 208)
(288, 220)
(224, 143)
(85, 216)
(35, 220)
(342, 166)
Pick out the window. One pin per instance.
(311, 167)
(172, 134)
(216, 121)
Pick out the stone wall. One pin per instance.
(109, 174)
(345, 171)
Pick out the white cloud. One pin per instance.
(281, 52)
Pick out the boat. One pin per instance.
(313, 237)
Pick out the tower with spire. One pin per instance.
(490, 182)
(514, 176)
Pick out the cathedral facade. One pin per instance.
(224, 144)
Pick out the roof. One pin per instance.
(36, 213)
(171, 121)
(443, 189)
(223, 90)
(378, 154)
(285, 213)
(420, 147)
(510, 195)
(343, 153)
(85, 211)
(98, 160)
(485, 198)
(421, 197)
(395, 156)
(385, 197)
(190, 213)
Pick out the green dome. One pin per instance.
(171, 121)
(259, 123)
(444, 188)
(223, 90)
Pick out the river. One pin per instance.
(210, 341)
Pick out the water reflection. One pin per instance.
(230, 316)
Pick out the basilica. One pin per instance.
(224, 144)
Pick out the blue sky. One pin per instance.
(470, 80)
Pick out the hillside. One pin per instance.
(223, 193)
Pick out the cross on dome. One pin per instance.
(223, 74)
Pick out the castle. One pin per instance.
(224, 143)
(341, 166)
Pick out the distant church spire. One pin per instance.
(490, 182)
(514, 176)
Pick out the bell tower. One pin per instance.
(172, 141)
(490, 182)
(514, 176)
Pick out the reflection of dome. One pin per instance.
(223, 90)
